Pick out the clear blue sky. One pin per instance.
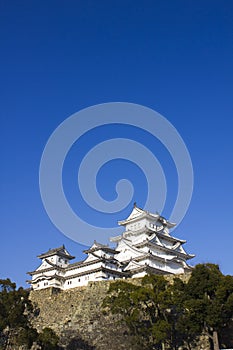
(58, 57)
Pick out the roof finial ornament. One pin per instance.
(135, 204)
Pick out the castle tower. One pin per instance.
(50, 273)
(146, 246)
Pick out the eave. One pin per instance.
(57, 251)
(149, 270)
(166, 249)
(168, 237)
(139, 217)
(61, 254)
(104, 249)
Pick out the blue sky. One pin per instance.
(59, 57)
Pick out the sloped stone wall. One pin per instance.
(76, 316)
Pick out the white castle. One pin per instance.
(145, 247)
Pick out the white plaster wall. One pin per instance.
(139, 274)
(81, 268)
(166, 242)
(83, 280)
(41, 273)
(127, 254)
(137, 224)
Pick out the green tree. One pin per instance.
(26, 336)
(48, 339)
(146, 310)
(15, 328)
(168, 315)
(208, 304)
(14, 310)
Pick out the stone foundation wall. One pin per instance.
(76, 316)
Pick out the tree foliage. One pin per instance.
(15, 312)
(147, 310)
(161, 315)
(48, 339)
(209, 300)
(14, 308)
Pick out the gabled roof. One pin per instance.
(98, 246)
(130, 247)
(139, 213)
(61, 251)
(136, 212)
(165, 222)
(133, 264)
(168, 237)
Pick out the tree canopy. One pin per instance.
(163, 315)
(15, 327)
